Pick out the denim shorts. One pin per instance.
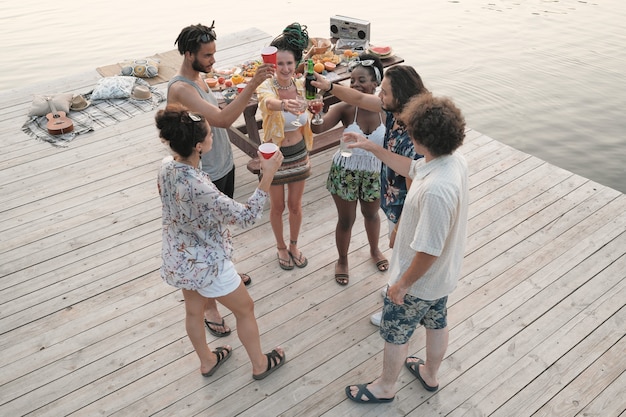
(398, 322)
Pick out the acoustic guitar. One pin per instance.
(58, 122)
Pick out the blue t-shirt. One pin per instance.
(393, 186)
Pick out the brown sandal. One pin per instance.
(342, 279)
(382, 265)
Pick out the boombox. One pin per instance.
(349, 28)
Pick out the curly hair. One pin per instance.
(191, 37)
(405, 82)
(179, 130)
(294, 38)
(435, 123)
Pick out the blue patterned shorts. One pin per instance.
(400, 321)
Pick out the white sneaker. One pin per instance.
(376, 317)
(383, 291)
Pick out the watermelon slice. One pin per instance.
(381, 50)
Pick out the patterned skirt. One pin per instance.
(296, 165)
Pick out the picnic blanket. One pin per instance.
(101, 113)
(169, 62)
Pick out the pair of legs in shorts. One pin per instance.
(396, 328)
(230, 291)
(349, 187)
(214, 321)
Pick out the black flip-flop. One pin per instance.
(245, 278)
(221, 358)
(300, 262)
(215, 332)
(414, 368)
(363, 391)
(286, 264)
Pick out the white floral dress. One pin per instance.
(196, 241)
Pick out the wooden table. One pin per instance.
(247, 47)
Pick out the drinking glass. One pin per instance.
(301, 108)
(343, 148)
(315, 106)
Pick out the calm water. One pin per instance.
(547, 77)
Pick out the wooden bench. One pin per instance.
(321, 142)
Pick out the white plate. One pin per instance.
(226, 72)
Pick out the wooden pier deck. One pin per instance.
(88, 328)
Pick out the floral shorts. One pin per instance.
(352, 185)
(400, 321)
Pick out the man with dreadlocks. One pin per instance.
(196, 43)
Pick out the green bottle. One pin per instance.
(309, 90)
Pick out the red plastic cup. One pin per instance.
(269, 54)
(240, 87)
(268, 149)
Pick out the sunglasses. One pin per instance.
(365, 63)
(194, 118)
(209, 36)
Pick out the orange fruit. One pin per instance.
(348, 53)
(319, 67)
(329, 66)
(237, 79)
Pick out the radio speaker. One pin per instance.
(349, 28)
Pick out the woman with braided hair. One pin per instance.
(280, 109)
(355, 180)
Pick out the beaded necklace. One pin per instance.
(280, 87)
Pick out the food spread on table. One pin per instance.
(326, 59)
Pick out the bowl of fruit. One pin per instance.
(319, 45)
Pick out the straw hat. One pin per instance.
(141, 92)
(79, 103)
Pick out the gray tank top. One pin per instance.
(219, 161)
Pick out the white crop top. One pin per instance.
(290, 117)
(361, 159)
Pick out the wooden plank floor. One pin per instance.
(88, 328)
